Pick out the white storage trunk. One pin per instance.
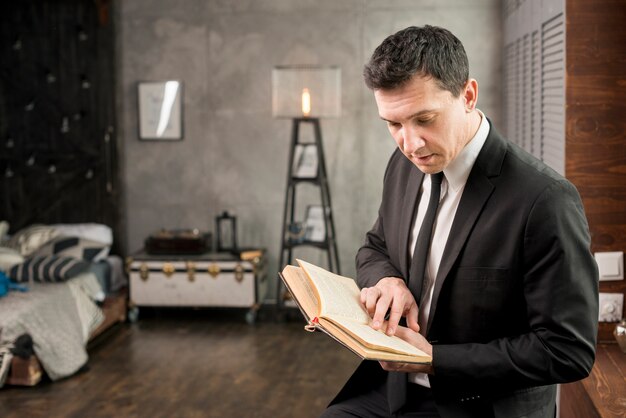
(212, 279)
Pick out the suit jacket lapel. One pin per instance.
(407, 216)
(477, 191)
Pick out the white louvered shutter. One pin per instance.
(534, 78)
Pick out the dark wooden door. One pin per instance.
(57, 113)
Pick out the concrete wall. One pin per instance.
(234, 154)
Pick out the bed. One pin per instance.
(61, 313)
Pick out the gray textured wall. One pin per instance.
(234, 154)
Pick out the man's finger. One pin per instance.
(364, 295)
(392, 366)
(371, 300)
(382, 306)
(412, 317)
(397, 308)
(367, 293)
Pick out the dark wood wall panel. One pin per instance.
(596, 122)
(57, 113)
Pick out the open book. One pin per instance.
(331, 303)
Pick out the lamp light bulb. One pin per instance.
(306, 102)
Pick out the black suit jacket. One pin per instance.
(515, 304)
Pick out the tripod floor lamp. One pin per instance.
(305, 94)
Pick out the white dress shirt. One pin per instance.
(455, 177)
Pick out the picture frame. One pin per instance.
(315, 224)
(305, 161)
(160, 110)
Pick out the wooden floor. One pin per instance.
(195, 363)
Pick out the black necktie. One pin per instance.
(397, 381)
(422, 246)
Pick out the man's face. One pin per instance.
(429, 124)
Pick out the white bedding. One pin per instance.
(59, 317)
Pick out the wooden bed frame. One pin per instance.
(28, 372)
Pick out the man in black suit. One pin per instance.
(496, 280)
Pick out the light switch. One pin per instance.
(611, 307)
(610, 265)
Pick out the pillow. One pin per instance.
(76, 247)
(8, 258)
(48, 269)
(28, 239)
(91, 231)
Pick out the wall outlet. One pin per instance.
(611, 307)
(610, 265)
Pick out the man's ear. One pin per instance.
(470, 95)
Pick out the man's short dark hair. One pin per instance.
(426, 51)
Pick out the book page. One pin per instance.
(342, 336)
(375, 339)
(338, 295)
(299, 285)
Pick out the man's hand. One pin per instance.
(417, 340)
(390, 293)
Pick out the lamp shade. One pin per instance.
(306, 91)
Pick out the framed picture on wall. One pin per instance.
(160, 110)
(305, 161)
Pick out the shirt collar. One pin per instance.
(459, 169)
